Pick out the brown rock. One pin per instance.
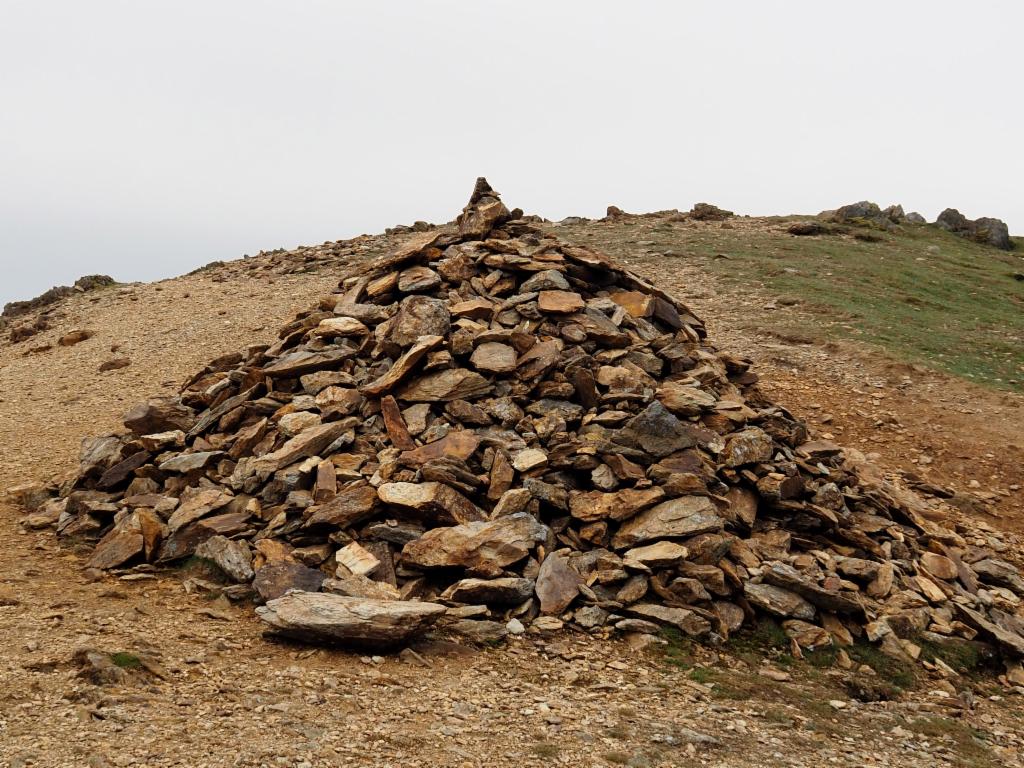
(115, 364)
(786, 576)
(657, 432)
(621, 505)
(539, 359)
(394, 423)
(742, 505)
(233, 558)
(459, 444)
(476, 309)
(502, 475)
(351, 506)
(435, 501)
(493, 357)
(637, 303)
(351, 585)
(687, 621)
(418, 316)
(403, 366)
(749, 446)
(676, 518)
(340, 327)
(483, 212)
(120, 472)
(326, 486)
(557, 584)
(685, 400)
(159, 415)
(502, 591)
(116, 548)
(418, 279)
(483, 545)
(310, 442)
(247, 438)
(338, 402)
(75, 337)
(356, 560)
(452, 384)
(561, 302)
(661, 554)
(939, 566)
(183, 542)
(306, 361)
(196, 506)
(778, 602)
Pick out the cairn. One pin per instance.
(494, 431)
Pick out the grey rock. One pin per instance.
(557, 584)
(657, 432)
(985, 230)
(418, 316)
(683, 619)
(276, 579)
(503, 591)
(352, 621)
(779, 602)
(233, 558)
(675, 518)
(786, 576)
(547, 280)
(480, 631)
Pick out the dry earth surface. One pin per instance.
(201, 687)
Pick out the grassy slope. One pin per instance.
(920, 293)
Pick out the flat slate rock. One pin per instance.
(349, 621)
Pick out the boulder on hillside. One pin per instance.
(709, 212)
(985, 230)
(866, 212)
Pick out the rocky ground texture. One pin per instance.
(150, 668)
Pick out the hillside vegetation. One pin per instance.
(921, 294)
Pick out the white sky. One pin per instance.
(142, 139)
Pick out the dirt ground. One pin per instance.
(213, 692)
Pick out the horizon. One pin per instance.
(145, 141)
(70, 281)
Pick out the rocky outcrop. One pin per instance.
(984, 230)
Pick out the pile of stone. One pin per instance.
(493, 431)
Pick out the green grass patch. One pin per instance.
(921, 294)
(970, 659)
(126, 660)
(896, 672)
(678, 648)
(702, 675)
(824, 658)
(766, 638)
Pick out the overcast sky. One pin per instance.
(142, 139)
